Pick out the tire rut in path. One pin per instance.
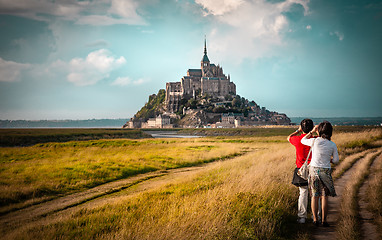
(19, 218)
(329, 233)
(369, 229)
(13, 220)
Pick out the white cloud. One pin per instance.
(247, 28)
(340, 35)
(98, 44)
(122, 81)
(308, 27)
(11, 71)
(104, 12)
(96, 66)
(219, 7)
(125, 81)
(140, 81)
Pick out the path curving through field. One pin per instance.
(61, 207)
(369, 229)
(39, 213)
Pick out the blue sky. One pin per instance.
(84, 59)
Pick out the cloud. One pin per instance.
(219, 7)
(105, 12)
(247, 28)
(96, 66)
(340, 35)
(308, 27)
(98, 44)
(11, 71)
(125, 81)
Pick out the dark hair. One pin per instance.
(307, 125)
(325, 130)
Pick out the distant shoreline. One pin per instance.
(118, 123)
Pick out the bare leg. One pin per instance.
(324, 203)
(314, 204)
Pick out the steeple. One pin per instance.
(205, 61)
(205, 45)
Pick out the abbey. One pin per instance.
(205, 97)
(208, 80)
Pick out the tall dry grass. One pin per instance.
(247, 197)
(354, 145)
(374, 192)
(348, 226)
(353, 142)
(51, 169)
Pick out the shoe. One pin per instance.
(301, 220)
(325, 224)
(318, 218)
(315, 223)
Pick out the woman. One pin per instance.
(320, 179)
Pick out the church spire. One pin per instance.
(205, 60)
(205, 45)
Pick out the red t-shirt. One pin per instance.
(302, 150)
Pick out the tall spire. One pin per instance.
(205, 45)
(205, 58)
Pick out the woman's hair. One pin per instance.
(307, 125)
(325, 130)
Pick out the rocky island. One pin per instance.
(205, 97)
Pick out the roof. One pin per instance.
(194, 70)
(205, 58)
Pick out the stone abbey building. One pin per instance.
(209, 79)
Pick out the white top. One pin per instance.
(322, 151)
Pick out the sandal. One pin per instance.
(315, 223)
(325, 224)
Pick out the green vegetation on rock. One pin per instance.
(153, 107)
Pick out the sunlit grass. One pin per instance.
(348, 226)
(56, 168)
(374, 192)
(246, 197)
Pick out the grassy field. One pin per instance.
(247, 196)
(27, 137)
(50, 169)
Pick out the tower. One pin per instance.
(205, 63)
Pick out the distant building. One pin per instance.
(161, 121)
(209, 79)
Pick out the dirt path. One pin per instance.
(329, 233)
(369, 229)
(36, 214)
(61, 208)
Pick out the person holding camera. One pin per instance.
(324, 152)
(302, 152)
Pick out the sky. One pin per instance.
(69, 59)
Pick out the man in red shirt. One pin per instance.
(302, 152)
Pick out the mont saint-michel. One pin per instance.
(205, 97)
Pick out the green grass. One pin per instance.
(179, 211)
(50, 169)
(247, 197)
(28, 137)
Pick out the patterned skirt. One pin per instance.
(321, 182)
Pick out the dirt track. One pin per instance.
(59, 208)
